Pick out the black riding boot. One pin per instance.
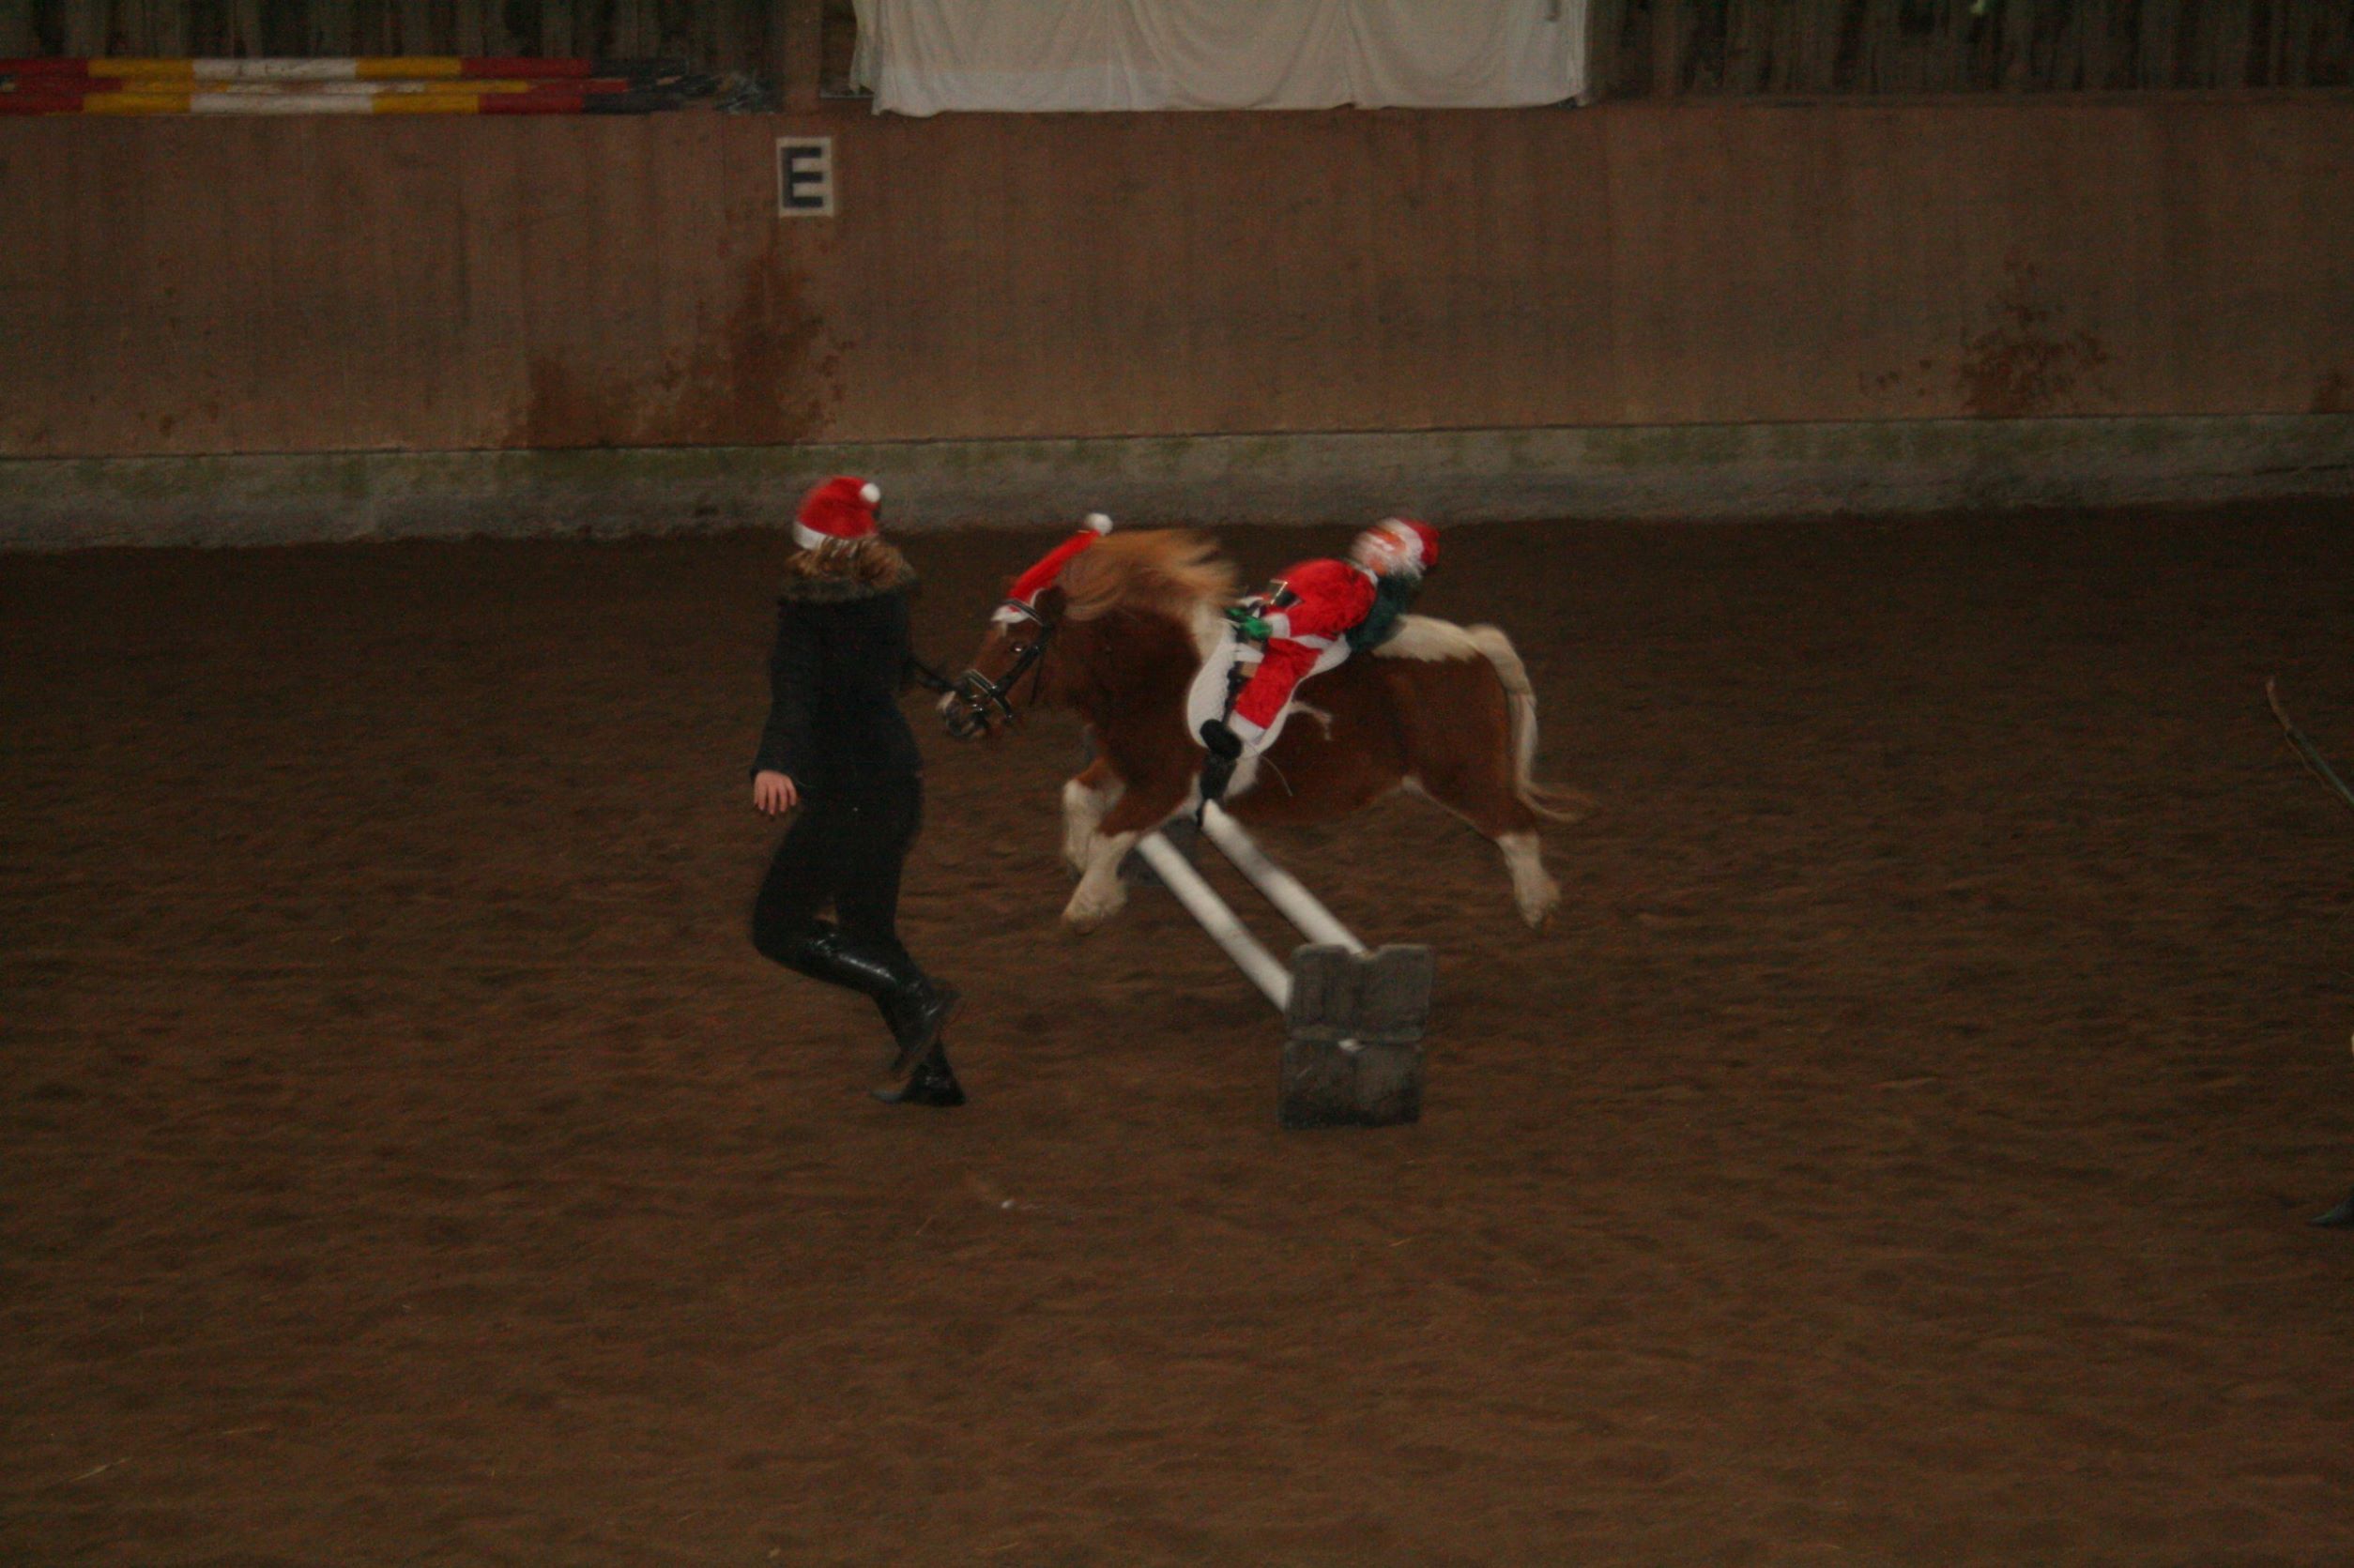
(914, 1004)
(932, 1083)
(1218, 769)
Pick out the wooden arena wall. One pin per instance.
(184, 287)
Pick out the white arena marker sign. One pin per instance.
(804, 176)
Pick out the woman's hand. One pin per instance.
(773, 794)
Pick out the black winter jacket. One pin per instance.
(842, 656)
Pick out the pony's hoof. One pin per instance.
(1081, 918)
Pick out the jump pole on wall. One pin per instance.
(1355, 1018)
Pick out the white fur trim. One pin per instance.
(870, 493)
(807, 537)
(1097, 523)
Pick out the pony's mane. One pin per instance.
(1174, 572)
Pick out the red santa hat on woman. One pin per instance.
(1049, 568)
(1397, 544)
(840, 508)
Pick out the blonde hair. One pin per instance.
(868, 559)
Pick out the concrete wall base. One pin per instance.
(1695, 472)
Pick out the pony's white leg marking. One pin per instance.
(1532, 887)
(1533, 890)
(1100, 894)
(1083, 812)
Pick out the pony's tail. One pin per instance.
(1551, 801)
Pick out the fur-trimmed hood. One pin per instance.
(839, 590)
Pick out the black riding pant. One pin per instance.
(845, 848)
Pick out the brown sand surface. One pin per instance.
(1899, 1149)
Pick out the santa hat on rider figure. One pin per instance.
(1396, 545)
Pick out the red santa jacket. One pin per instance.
(1315, 602)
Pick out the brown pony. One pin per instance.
(1441, 709)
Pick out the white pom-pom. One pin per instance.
(1097, 523)
(870, 493)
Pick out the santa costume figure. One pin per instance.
(1316, 613)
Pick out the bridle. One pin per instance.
(984, 697)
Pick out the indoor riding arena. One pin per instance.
(1910, 449)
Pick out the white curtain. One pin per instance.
(1036, 57)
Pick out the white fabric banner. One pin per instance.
(1039, 56)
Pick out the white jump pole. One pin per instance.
(1283, 889)
(1224, 926)
(1354, 1055)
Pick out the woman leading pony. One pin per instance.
(837, 752)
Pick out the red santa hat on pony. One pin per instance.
(1397, 544)
(836, 510)
(1022, 598)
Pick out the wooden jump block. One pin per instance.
(1355, 1018)
(1329, 1083)
(1355, 1057)
(1375, 999)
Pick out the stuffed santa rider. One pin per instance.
(1305, 613)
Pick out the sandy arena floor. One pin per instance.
(1898, 1151)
